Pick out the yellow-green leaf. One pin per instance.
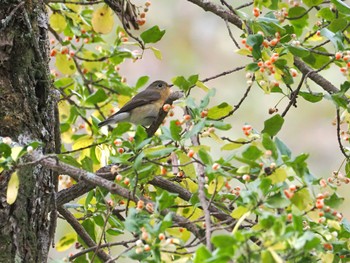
(65, 64)
(12, 189)
(239, 211)
(15, 151)
(278, 176)
(233, 145)
(102, 20)
(245, 169)
(90, 65)
(219, 111)
(216, 185)
(66, 242)
(201, 85)
(58, 22)
(157, 53)
(302, 199)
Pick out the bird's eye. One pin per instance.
(160, 85)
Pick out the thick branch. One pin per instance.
(317, 78)
(219, 11)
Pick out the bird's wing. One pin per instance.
(144, 97)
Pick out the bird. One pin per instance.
(143, 108)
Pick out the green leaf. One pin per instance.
(205, 157)
(219, 111)
(334, 200)
(218, 124)
(341, 7)
(338, 24)
(299, 22)
(185, 84)
(255, 42)
(326, 14)
(252, 153)
(175, 131)
(317, 60)
(311, 97)
(152, 35)
(5, 150)
(89, 226)
(335, 38)
(269, 145)
(159, 151)
(99, 96)
(283, 149)
(195, 129)
(141, 81)
(299, 51)
(201, 255)
(140, 135)
(252, 67)
(312, 2)
(277, 201)
(165, 200)
(273, 125)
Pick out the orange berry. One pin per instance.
(260, 64)
(288, 194)
(163, 170)
(319, 204)
(161, 236)
(148, 3)
(318, 33)
(289, 217)
(328, 246)
(244, 41)
(292, 188)
(64, 50)
(187, 117)
(53, 52)
(204, 113)
(110, 202)
(131, 138)
(143, 15)
(171, 113)
(147, 247)
(190, 153)
(338, 55)
(274, 42)
(126, 181)
(120, 150)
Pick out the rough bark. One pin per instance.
(27, 113)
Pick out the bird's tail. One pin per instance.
(105, 122)
(117, 117)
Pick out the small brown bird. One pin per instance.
(143, 108)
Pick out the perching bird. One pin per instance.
(143, 108)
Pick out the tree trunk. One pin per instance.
(27, 113)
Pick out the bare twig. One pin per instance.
(82, 233)
(342, 149)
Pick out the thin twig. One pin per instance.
(83, 234)
(342, 149)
